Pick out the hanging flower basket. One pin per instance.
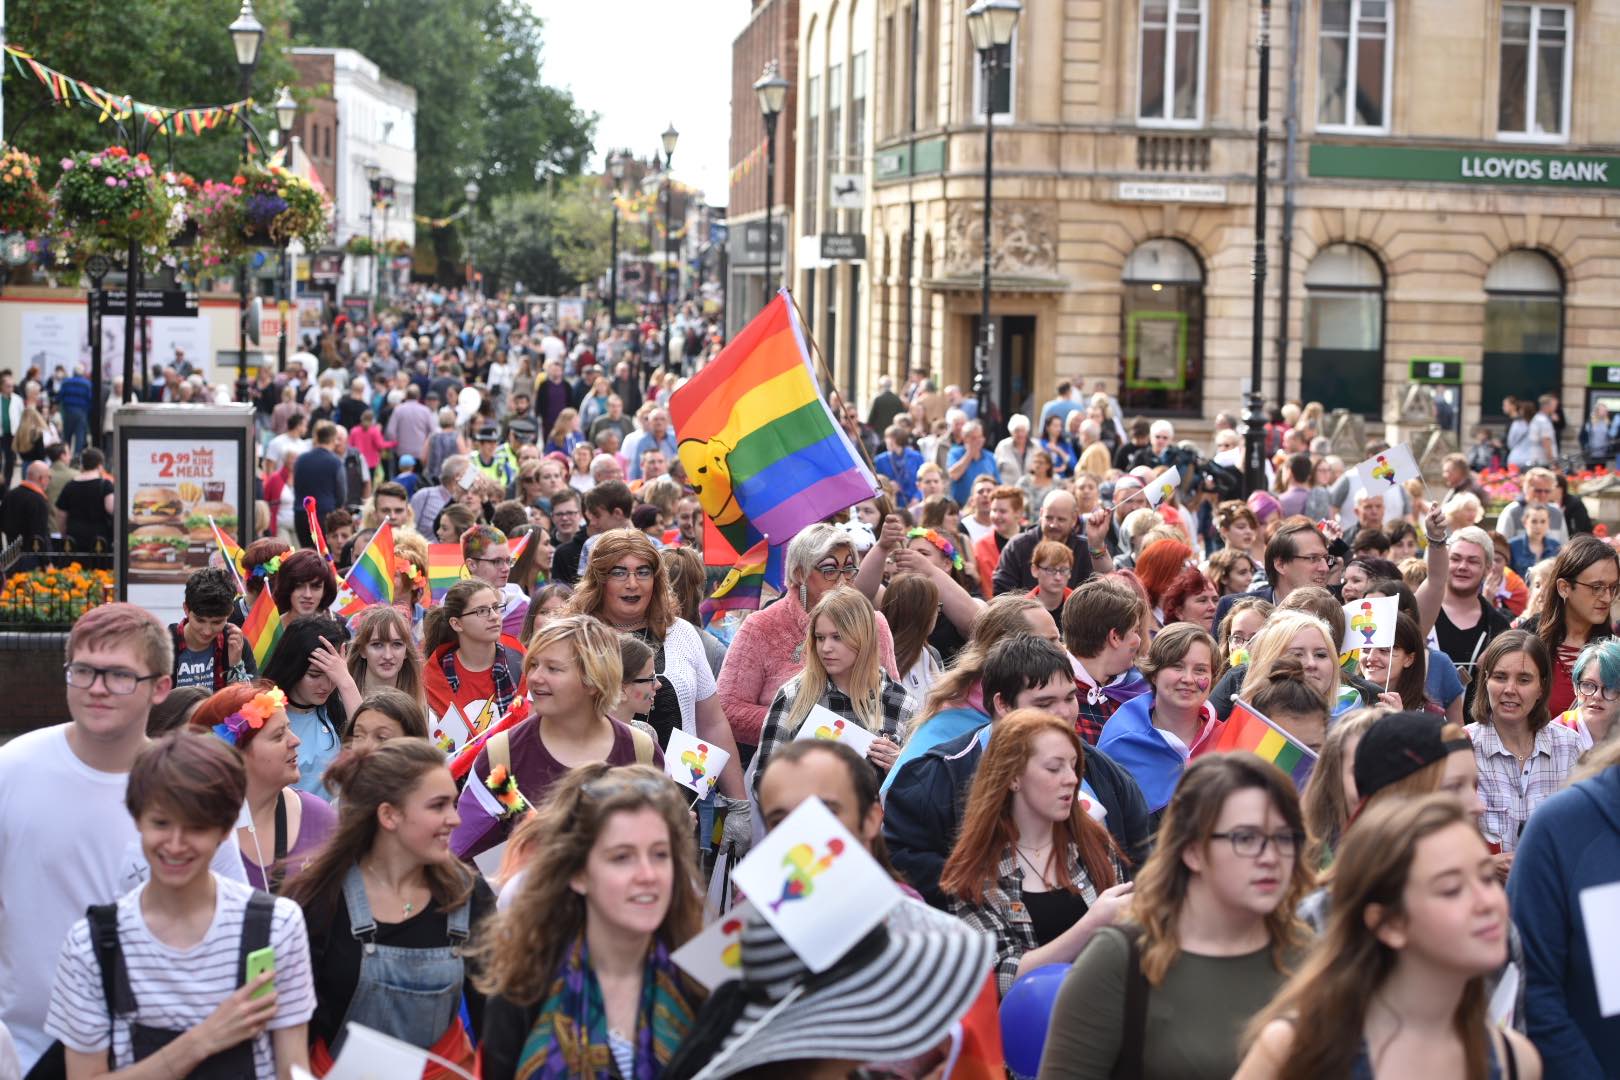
(279, 206)
(360, 245)
(25, 207)
(107, 199)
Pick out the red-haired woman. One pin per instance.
(1157, 568)
(1031, 865)
(1190, 598)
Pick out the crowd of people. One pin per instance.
(213, 870)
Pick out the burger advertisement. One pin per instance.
(175, 487)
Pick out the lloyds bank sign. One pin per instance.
(1493, 167)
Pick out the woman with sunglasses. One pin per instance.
(1597, 688)
(577, 966)
(626, 586)
(767, 650)
(470, 676)
(1576, 606)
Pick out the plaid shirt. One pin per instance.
(1511, 793)
(897, 707)
(1004, 914)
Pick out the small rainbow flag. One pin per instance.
(233, 555)
(315, 528)
(739, 590)
(1247, 729)
(445, 567)
(516, 547)
(262, 628)
(371, 578)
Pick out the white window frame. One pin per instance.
(1351, 56)
(1012, 84)
(1168, 75)
(1531, 71)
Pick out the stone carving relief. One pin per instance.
(1023, 239)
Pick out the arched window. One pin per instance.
(1343, 360)
(1162, 330)
(1524, 329)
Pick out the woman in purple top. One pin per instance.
(286, 826)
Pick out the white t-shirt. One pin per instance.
(177, 989)
(975, 531)
(66, 842)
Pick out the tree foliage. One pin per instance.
(176, 53)
(552, 240)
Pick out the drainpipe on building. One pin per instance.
(1290, 152)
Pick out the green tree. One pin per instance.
(175, 54)
(551, 240)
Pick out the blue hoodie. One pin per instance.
(1131, 739)
(1571, 843)
(942, 727)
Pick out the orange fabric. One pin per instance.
(986, 556)
(454, 1045)
(1518, 593)
(982, 1057)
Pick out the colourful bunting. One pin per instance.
(66, 90)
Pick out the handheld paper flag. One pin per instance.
(816, 885)
(1383, 471)
(1247, 729)
(1161, 488)
(693, 763)
(315, 528)
(823, 723)
(761, 448)
(1369, 623)
(714, 957)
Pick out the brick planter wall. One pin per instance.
(32, 691)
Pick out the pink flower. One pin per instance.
(95, 162)
(112, 181)
(67, 164)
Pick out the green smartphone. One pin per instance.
(260, 961)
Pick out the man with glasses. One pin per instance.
(565, 517)
(66, 840)
(1540, 489)
(1060, 517)
(1297, 556)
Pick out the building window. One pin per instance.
(1343, 360)
(857, 111)
(1172, 62)
(1353, 81)
(1001, 83)
(1524, 329)
(812, 146)
(1161, 363)
(1533, 95)
(835, 134)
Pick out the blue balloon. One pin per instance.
(259, 259)
(1025, 1012)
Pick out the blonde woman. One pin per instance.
(1307, 639)
(842, 673)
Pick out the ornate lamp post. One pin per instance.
(247, 34)
(991, 24)
(470, 190)
(669, 137)
(286, 113)
(615, 164)
(772, 92)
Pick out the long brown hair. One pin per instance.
(1189, 819)
(1502, 646)
(518, 950)
(386, 621)
(910, 605)
(987, 826)
(998, 619)
(1326, 999)
(611, 547)
(1324, 801)
(436, 628)
(1579, 555)
(385, 773)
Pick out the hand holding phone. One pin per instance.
(260, 962)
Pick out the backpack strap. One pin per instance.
(115, 988)
(644, 746)
(261, 908)
(499, 749)
(1129, 1065)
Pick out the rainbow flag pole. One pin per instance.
(1247, 729)
(315, 528)
(262, 628)
(232, 555)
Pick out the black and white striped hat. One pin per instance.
(893, 996)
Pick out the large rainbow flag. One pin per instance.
(1248, 729)
(740, 588)
(371, 578)
(760, 446)
(262, 628)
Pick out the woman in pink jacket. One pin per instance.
(367, 438)
(769, 647)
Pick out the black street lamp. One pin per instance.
(470, 190)
(991, 24)
(1254, 421)
(615, 164)
(772, 91)
(247, 34)
(373, 185)
(669, 137)
(286, 113)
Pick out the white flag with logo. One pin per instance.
(1383, 471)
(1163, 486)
(1369, 623)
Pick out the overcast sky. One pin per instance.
(642, 65)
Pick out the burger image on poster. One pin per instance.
(156, 506)
(158, 547)
(224, 515)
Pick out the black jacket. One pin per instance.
(924, 809)
(1013, 573)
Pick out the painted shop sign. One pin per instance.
(1465, 166)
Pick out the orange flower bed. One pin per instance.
(54, 595)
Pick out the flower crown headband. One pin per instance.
(270, 566)
(945, 547)
(251, 716)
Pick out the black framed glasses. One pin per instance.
(495, 610)
(118, 681)
(1252, 843)
(648, 679)
(1587, 688)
